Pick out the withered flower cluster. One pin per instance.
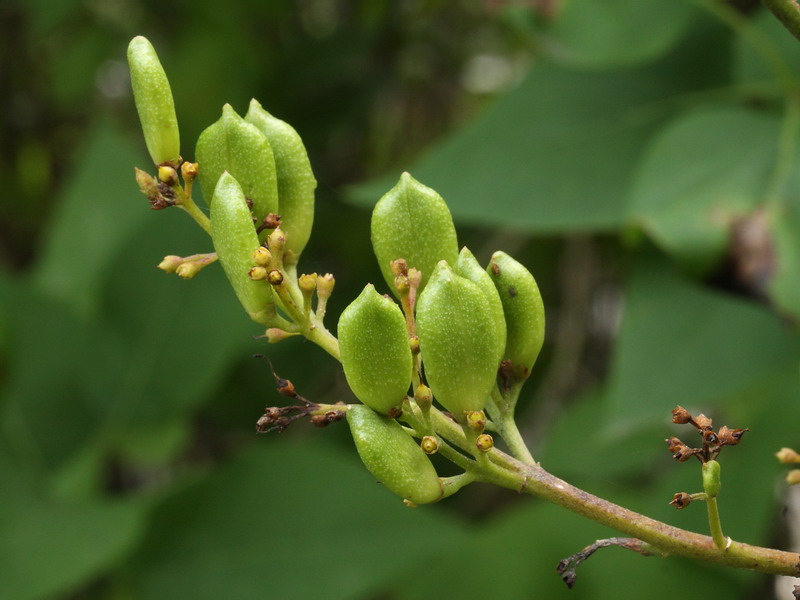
(712, 441)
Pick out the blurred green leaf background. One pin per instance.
(640, 158)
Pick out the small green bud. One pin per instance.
(524, 312)
(393, 457)
(456, 329)
(468, 267)
(235, 240)
(374, 350)
(711, 478)
(412, 221)
(233, 145)
(307, 283)
(296, 182)
(423, 396)
(429, 444)
(154, 103)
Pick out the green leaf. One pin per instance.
(754, 63)
(784, 286)
(701, 173)
(99, 210)
(242, 532)
(48, 547)
(554, 154)
(608, 33)
(682, 344)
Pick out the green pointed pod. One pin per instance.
(712, 482)
(296, 182)
(235, 240)
(153, 98)
(393, 457)
(456, 328)
(467, 266)
(524, 312)
(412, 221)
(374, 350)
(238, 147)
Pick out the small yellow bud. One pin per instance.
(170, 263)
(476, 420)
(793, 477)
(484, 442)
(168, 175)
(307, 283)
(189, 269)
(277, 242)
(189, 171)
(788, 456)
(262, 257)
(325, 286)
(275, 277)
(257, 273)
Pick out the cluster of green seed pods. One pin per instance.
(258, 158)
(469, 321)
(459, 325)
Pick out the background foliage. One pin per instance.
(640, 159)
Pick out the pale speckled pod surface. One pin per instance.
(154, 102)
(412, 221)
(523, 308)
(374, 350)
(296, 182)
(238, 147)
(235, 240)
(393, 457)
(457, 342)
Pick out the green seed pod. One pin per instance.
(524, 312)
(393, 457)
(238, 147)
(456, 330)
(412, 221)
(468, 267)
(154, 103)
(374, 350)
(235, 240)
(711, 478)
(296, 182)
